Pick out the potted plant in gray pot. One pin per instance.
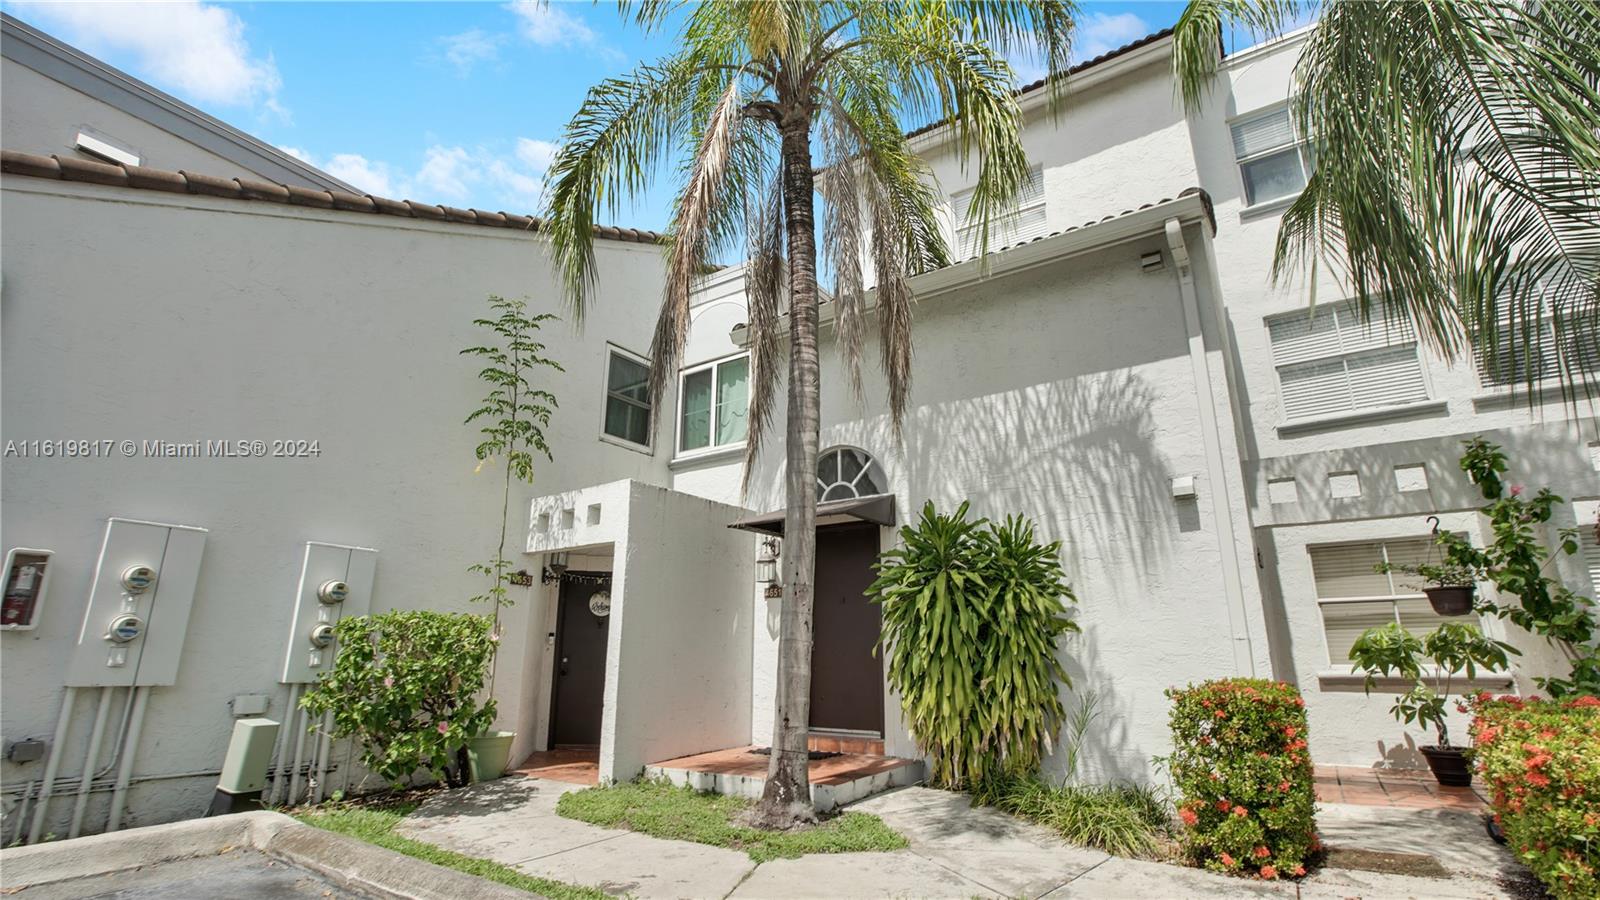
(1431, 664)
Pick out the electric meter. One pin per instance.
(137, 579)
(333, 592)
(322, 636)
(125, 628)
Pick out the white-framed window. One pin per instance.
(1353, 597)
(712, 403)
(1024, 222)
(627, 409)
(1274, 160)
(1509, 358)
(846, 473)
(1329, 361)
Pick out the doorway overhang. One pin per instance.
(877, 509)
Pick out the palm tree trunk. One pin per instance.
(787, 796)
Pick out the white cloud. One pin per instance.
(471, 47)
(454, 175)
(370, 177)
(548, 25)
(445, 172)
(537, 154)
(192, 48)
(1099, 33)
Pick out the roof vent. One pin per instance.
(100, 147)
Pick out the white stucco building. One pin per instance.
(1222, 467)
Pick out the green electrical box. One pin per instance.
(249, 754)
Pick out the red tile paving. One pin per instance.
(841, 769)
(1407, 788)
(577, 765)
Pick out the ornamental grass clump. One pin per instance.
(1243, 775)
(1541, 761)
(972, 611)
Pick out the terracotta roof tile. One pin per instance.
(1086, 64)
(1205, 201)
(72, 168)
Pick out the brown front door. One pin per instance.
(580, 682)
(846, 679)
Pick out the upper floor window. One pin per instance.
(1274, 161)
(1024, 222)
(627, 397)
(845, 473)
(1329, 361)
(1531, 352)
(713, 402)
(1353, 597)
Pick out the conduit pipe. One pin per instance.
(52, 765)
(301, 726)
(282, 754)
(90, 760)
(119, 794)
(22, 814)
(324, 747)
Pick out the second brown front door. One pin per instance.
(846, 678)
(580, 682)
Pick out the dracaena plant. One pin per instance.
(972, 615)
(1433, 663)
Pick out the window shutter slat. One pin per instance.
(1316, 388)
(1347, 570)
(1380, 331)
(1260, 133)
(1386, 378)
(1343, 623)
(1304, 335)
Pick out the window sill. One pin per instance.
(1506, 397)
(707, 457)
(1345, 680)
(1267, 207)
(1420, 409)
(626, 444)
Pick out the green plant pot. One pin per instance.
(488, 754)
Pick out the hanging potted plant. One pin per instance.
(1450, 588)
(1432, 664)
(511, 419)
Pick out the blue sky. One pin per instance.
(458, 103)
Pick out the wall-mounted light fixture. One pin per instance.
(767, 562)
(555, 564)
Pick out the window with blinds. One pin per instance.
(1274, 161)
(1329, 361)
(1531, 353)
(1024, 222)
(1590, 547)
(1354, 597)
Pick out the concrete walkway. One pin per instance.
(955, 851)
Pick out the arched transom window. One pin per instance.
(845, 473)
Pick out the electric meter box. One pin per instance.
(27, 575)
(139, 604)
(335, 581)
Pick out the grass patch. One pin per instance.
(682, 814)
(375, 824)
(1121, 819)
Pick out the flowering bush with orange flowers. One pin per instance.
(1243, 775)
(1541, 761)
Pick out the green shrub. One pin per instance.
(1243, 775)
(405, 687)
(1541, 761)
(1122, 819)
(971, 614)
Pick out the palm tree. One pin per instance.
(1457, 181)
(755, 94)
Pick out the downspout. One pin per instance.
(1221, 504)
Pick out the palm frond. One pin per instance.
(1197, 37)
(764, 289)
